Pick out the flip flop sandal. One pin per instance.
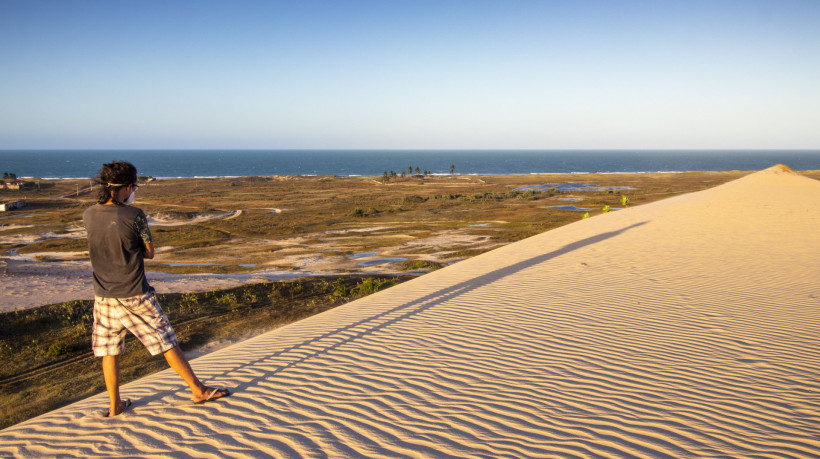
(213, 392)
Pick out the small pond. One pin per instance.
(573, 187)
(191, 264)
(573, 208)
(380, 261)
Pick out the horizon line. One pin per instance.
(815, 149)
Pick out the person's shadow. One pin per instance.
(371, 324)
(317, 345)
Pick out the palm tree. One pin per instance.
(452, 169)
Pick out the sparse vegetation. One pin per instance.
(188, 236)
(420, 265)
(56, 245)
(322, 209)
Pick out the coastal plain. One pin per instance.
(223, 232)
(684, 327)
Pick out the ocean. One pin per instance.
(234, 163)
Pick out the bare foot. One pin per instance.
(212, 393)
(124, 405)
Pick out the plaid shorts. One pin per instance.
(141, 315)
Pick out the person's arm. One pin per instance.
(148, 251)
(145, 235)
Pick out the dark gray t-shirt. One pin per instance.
(116, 238)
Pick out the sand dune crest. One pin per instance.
(683, 328)
(781, 168)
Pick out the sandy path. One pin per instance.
(164, 220)
(683, 328)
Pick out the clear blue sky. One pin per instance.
(410, 74)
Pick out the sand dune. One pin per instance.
(689, 327)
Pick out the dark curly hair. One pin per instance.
(113, 177)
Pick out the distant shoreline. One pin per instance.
(214, 177)
(81, 164)
(217, 177)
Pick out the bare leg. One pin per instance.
(111, 373)
(176, 359)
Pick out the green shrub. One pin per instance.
(57, 349)
(226, 299)
(420, 265)
(340, 291)
(274, 293)
(249, 297)
(296, 288)
(188, 302)
(367, 286)
(358, 212)
(414, 199)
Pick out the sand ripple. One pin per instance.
(684, 328)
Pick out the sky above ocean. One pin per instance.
(442, 74)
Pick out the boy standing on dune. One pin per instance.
(118, 242)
